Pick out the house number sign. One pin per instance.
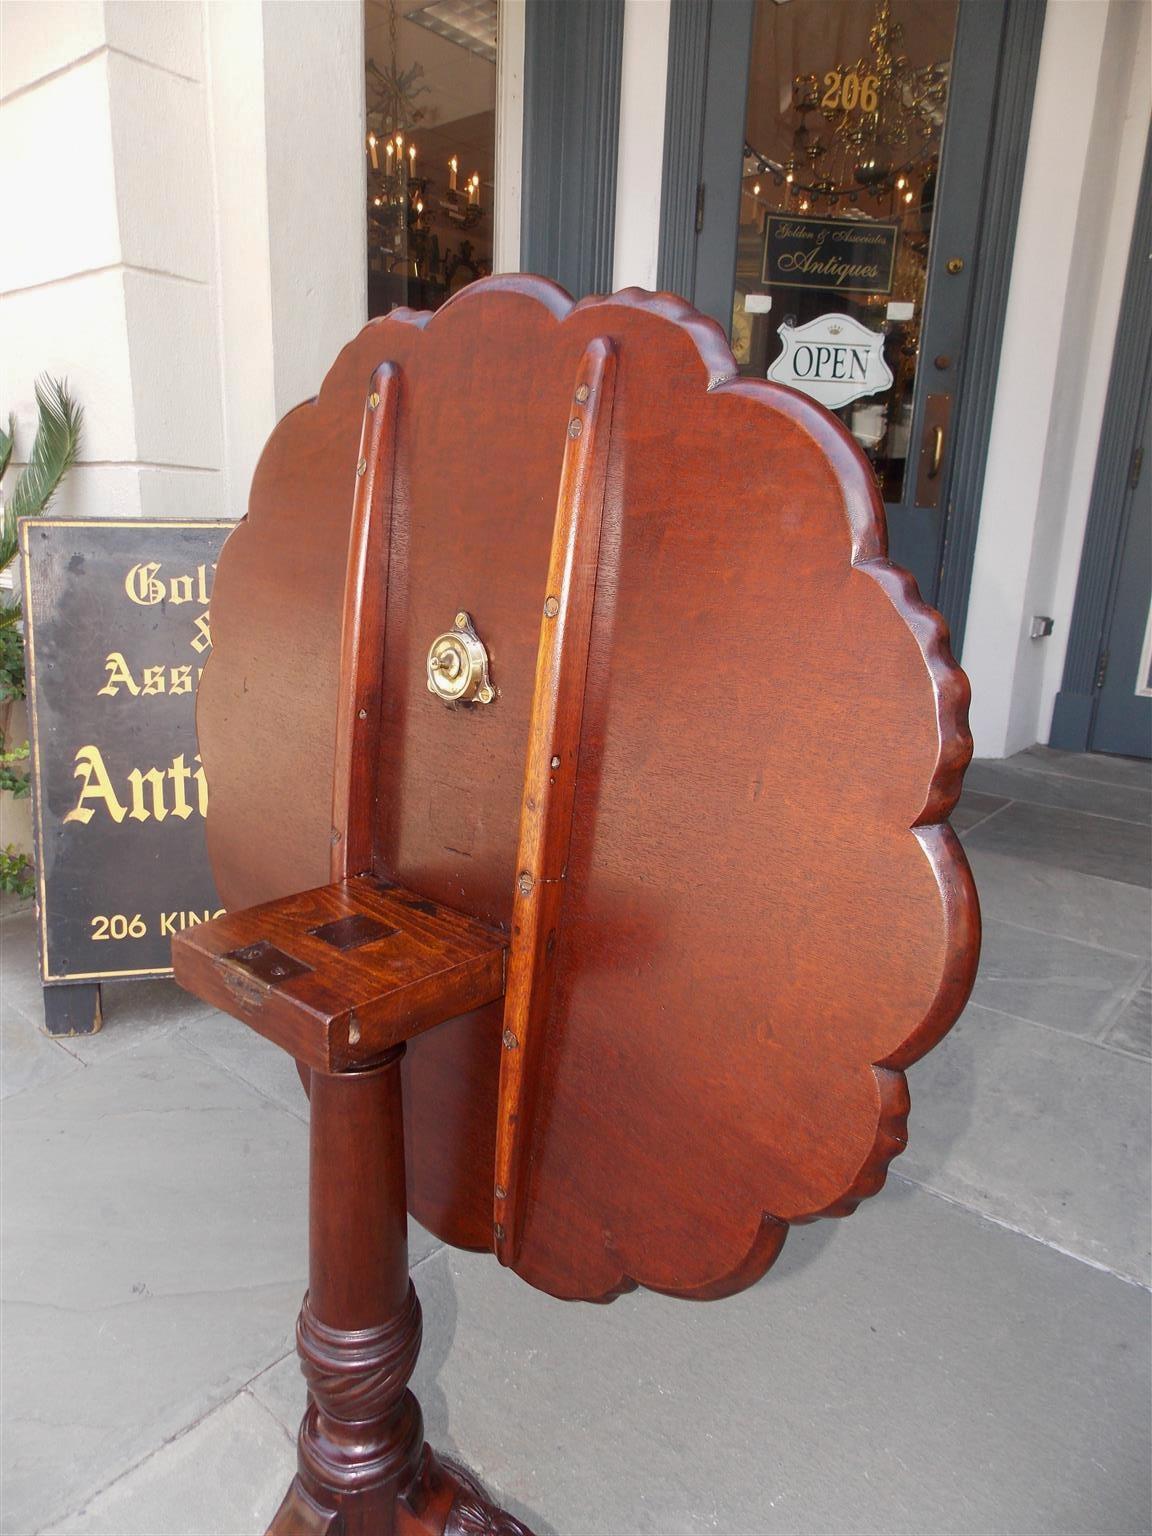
(834, 359)
(117, 634)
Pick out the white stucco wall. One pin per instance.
(189, 248)
(1082, 169)
(105, 274)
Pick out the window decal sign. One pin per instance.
(834, 359)
(849, 255)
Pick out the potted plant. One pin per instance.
(53, 452)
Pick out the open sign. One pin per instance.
(834, 359)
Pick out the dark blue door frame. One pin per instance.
(705, 108)
(572, 58)
(1105, 533)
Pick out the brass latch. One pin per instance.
(458, 665)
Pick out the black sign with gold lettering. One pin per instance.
(116, 632)
(845, 255)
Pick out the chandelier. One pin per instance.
(405, 203)
(876, 131)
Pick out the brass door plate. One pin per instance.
(458, 665)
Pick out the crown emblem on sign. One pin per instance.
(834, 330)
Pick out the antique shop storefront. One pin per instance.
(919, 212)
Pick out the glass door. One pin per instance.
(860, 186)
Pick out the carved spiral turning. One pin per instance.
(361, 1374)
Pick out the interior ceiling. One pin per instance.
(461, 82)
(811, 37)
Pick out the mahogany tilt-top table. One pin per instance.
(579, 770)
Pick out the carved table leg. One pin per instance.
(363, 1467)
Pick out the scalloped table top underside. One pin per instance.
(766, 915)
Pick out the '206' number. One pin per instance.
(118, 927)
(848, 91)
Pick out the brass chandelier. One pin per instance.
(877, 129)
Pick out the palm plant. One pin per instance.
(54, 450)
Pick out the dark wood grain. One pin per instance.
(550, 769)
(283, 969)
(766, 919)
(364, 609)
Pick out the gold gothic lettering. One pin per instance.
(154, 793)
(97, 786)
(144, 587)
(176, 679)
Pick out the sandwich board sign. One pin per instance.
(116, 637)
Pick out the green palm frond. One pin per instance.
(6, 443)
(53, 452)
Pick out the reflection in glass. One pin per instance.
(846, 110)
(429, 149)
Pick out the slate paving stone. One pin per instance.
(1061, 901)
(153, 1261)
(914, 1370)
(973, 808)
(238, 1049)
(1132, 1030)
(1062, 791)
(1051, 980)
(1133, 771)
(1040, 1130)
(225, 1477)
(19, 977)
(27, 1056)
(280, 1389)
(1068, 840)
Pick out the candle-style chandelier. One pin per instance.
(877, 129)
(399, 193)
(408, 203)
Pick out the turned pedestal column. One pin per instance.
(359, 1328)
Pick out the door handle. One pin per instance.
(930, 459)
(937, 455)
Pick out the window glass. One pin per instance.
(430, 148)
(846, 109)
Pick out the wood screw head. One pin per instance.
(524, 884)
(361, 714)
(501, 1192)
(510, 1040)
(498, 1232)
(955, 264)
(362, 466)
(373, 400)
(551, 606)
(582, 393)
(555, 762)
(575, 427)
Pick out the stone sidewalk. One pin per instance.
(970, 1353)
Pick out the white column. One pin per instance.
(1054, 361)
(106, 265)
(640, 160)
(509, 135)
